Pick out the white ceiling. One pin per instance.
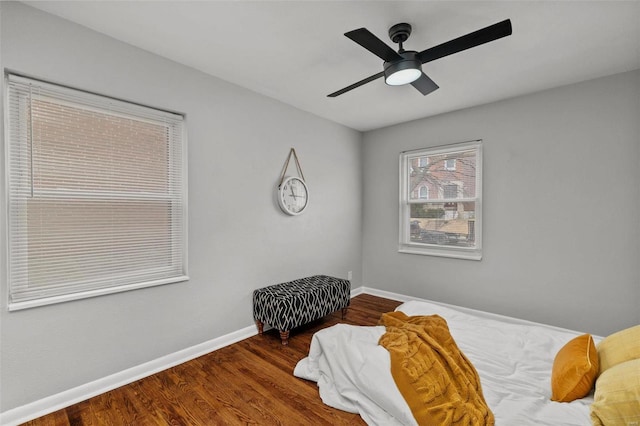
(295, 51)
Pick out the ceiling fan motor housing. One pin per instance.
(409, 61)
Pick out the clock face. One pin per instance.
(293, 196)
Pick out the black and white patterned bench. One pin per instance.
(295, 303)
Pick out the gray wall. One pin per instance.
(238, 239)
(561, 232)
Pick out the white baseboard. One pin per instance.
(387, 294)
(357, 291)
(72, 396)
(52, 403)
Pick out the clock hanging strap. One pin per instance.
(286, 165)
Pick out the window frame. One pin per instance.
(175, 195)
(405, 245)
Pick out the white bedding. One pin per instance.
(513, 358)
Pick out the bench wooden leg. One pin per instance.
(284, 335)
(344, 312)
(260, 325)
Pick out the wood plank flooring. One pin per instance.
(248, 383)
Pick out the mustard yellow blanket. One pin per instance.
(439, 383)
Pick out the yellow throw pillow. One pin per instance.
(619, 347)
(575, 368)
(616, 401)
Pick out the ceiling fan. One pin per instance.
(405, 66)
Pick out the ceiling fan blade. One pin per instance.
(373, 44)
(476, 38)
(354, 85)
(424, 84)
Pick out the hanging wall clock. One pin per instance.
(293, 195)
(292, 192)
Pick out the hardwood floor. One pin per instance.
(248, 383)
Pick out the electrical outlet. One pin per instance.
(350, 275)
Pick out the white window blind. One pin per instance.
(97, 194)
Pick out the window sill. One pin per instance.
(26, 304)
(471, 254)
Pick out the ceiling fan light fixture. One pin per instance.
(404, 71)
(404, 76)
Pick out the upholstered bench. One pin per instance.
(292, 304)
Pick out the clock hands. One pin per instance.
(294, 195)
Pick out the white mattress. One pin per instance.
(513, 358)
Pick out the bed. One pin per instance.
(513, 359)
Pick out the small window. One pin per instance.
(423, 162)
(424, 192)
(440, 208)
(96, 194)
(450, 164)
(450, 191)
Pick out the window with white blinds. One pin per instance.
(96, 194)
